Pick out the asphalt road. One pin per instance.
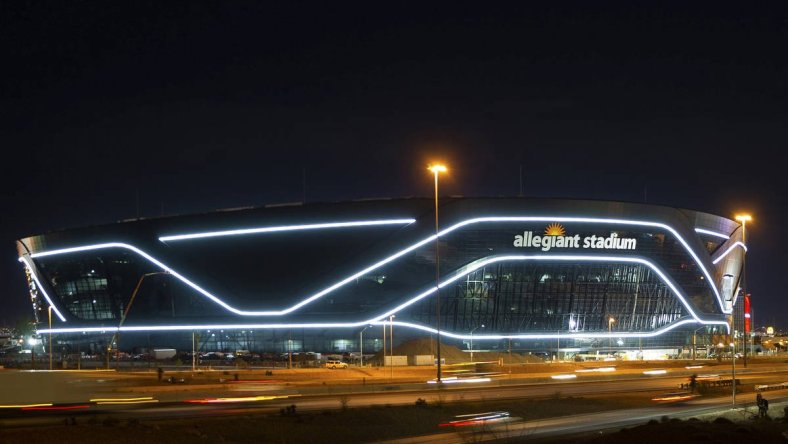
(262, 397)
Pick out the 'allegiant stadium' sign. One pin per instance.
(554, 238)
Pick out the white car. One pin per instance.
(332, 363)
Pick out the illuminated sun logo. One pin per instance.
(554, 230)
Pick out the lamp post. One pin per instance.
(391, 344)
(361, 345)
(472, 330)
(733, 373)
(694, 345)
(610, 322)
(744, 218)
(49, 310)
(436, 170)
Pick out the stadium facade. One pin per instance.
(528, 274)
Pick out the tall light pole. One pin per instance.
(733, 373)
(694, 344)
(744, 218)
(49, 310)
(436, 170)
(361, 345)
(472, 330)
(391, 344)
(610, 322)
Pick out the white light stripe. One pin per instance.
(712, 233)
(481, 263)
(391, 258)
(736, 244)
(364, 223)
(380, 319)
(41, 288)
(578, 335)
(603, 221)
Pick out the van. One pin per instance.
(333, 363)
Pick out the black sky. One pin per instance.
(205, 105)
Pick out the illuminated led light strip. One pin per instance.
(218, 300)
(364, 223)
(578, 335)
(379, 320)
(712, 233)
(602, 221)
(41, 288)
(542, 257)
(424, 328)
(388, 259)
(726, 252)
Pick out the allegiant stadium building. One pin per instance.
(531, 274)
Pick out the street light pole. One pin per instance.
(361, 345)
(744, 218)
(391, 344)
(49, 310)
(694, 343)
(610, 322)
(474, 329)
(437, 169)
(733, 377)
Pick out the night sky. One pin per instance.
(113, 110)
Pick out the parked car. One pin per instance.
(333, 363)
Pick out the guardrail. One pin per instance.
(714, 383)
(766, 387)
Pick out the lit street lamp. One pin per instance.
(472, 330)
(744, 218)
(437, 169)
